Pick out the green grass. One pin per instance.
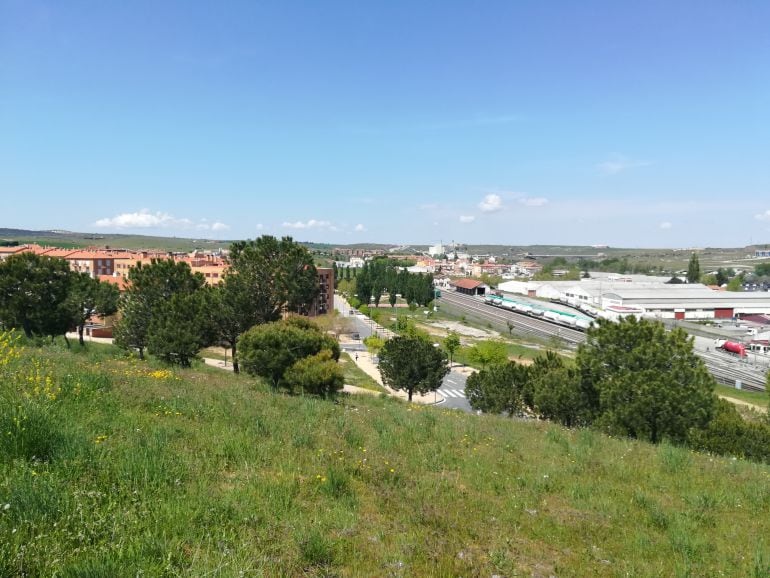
(517, 349)
(217, 353)
(516, 352)
(753, 397)
(200, 472)
(356, 376)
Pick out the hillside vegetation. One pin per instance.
(114, 467)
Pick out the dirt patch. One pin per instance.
(461, 329)
(746, 404)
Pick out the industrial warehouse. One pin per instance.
(615, 299)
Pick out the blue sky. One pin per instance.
(639, 124)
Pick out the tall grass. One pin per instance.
(196, 472)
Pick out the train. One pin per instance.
(761, 346)
(563, 318)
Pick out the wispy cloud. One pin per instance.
(311, 224)
(665, 225)
(763, 216)
(260, 226)
(533, 201)
(145, 219)
(467, 218)
(616, 164)
(491, 203)
(359, 228)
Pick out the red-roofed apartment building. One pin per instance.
(93, 263)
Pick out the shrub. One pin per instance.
(729, 434)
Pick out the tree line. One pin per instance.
(170, 311)
(631, 379)
(43, 297)
(166, 309)
(382, 276)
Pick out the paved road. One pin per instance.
(361, 324)
(453, 390)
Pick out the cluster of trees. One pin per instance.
(381, 276)
(170, 311)
(631, 379)
(343, 274)
(573, 271)
(618, 265)
(42, 296)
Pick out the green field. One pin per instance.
(112, 467)
(356, 376)
(752, 397)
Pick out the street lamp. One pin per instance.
(371, 312)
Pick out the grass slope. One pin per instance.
(111, 467)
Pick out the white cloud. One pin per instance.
(619, 163)
(359, 228)
(533, 201)
(665, 225)
(260, 226)
(144, 219)
(763, 216)
(467, 218)
(491, 203)
(140, 219)
(311, 224)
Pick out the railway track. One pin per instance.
(519, 320)
(725, 369)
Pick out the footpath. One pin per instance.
(367, 364)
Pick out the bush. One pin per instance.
(729, 434)
(270, 350)
(317, 374)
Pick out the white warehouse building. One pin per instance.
(649, 299)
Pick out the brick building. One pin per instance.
(324, 303)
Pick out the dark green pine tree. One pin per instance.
(693, 269)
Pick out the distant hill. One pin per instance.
(61, 238)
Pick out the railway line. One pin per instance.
(520, 320)
(725, 369)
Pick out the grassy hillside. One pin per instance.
(68, 239)
(112, 467)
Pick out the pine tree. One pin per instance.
(693, 269)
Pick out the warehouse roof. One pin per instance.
(467, 283)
